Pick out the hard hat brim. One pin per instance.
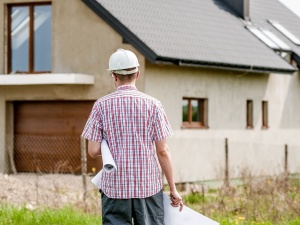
(124, 72)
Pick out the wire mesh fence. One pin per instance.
(48, 171)
(45, 154)
(55, 171)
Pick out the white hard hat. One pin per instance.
(121, 60)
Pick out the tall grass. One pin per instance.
(267, 200)
(252, 201)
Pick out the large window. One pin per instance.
(29, 38)
(194, 113)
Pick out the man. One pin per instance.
(130, 122)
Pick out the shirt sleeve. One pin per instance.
(162, 127)
(93, 127)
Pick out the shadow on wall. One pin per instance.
(290, 118)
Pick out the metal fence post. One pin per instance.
(286, 172)
(83, 166)
(226, 178)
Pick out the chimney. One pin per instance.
(241, 7)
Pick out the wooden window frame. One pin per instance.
(203, 123)
(249, 114)
(265, 115)
(31, 6)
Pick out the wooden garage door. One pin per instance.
(47, 136)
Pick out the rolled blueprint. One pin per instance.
(172, 216)
(109, 164)
(187, 216)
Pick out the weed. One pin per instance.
(264, 200)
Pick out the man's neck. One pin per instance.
(121, 84)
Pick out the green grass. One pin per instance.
(263, 201)
(243, 222)
(10, 215)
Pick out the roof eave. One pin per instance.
(226, 66)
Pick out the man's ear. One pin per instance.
(137, 75)
(115, 77)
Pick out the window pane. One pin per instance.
(195, 110)
(263, 37)
(185, 114)
(286, 32)
(249, 113)
(42, 38)
(265, 114)
(19, 38)
(275, 39)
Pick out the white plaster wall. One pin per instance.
(294, 158)
(199, 154)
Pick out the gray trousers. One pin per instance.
(137, 211)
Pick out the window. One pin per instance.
(285, 32)
(273, 37)
(269, 38)
(29, 38)
(249, 108)
(265, 115)
(194, 113)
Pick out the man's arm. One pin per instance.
(165, 161)
(94, 149)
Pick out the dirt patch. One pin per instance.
(49, 190)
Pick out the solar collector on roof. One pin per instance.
(262, 12)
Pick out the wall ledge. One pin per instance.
(46, 79)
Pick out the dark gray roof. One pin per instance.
(198, 32)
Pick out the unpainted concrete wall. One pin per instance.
(199, 154)
(81, 43)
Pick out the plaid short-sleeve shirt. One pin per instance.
(130, 121)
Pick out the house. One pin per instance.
(223, 70)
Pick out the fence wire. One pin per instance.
(47, 171)
(53, 171)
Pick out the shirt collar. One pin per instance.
(126, 87)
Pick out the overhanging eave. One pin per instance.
(226, 66)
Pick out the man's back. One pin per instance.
(130, 122)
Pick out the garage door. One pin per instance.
(47, 136)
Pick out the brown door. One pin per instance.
(47, 136)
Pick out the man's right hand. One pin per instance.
(176, 200)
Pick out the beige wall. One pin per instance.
(81, 43)
(200, 153)
(85, 50)
(3, 156)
